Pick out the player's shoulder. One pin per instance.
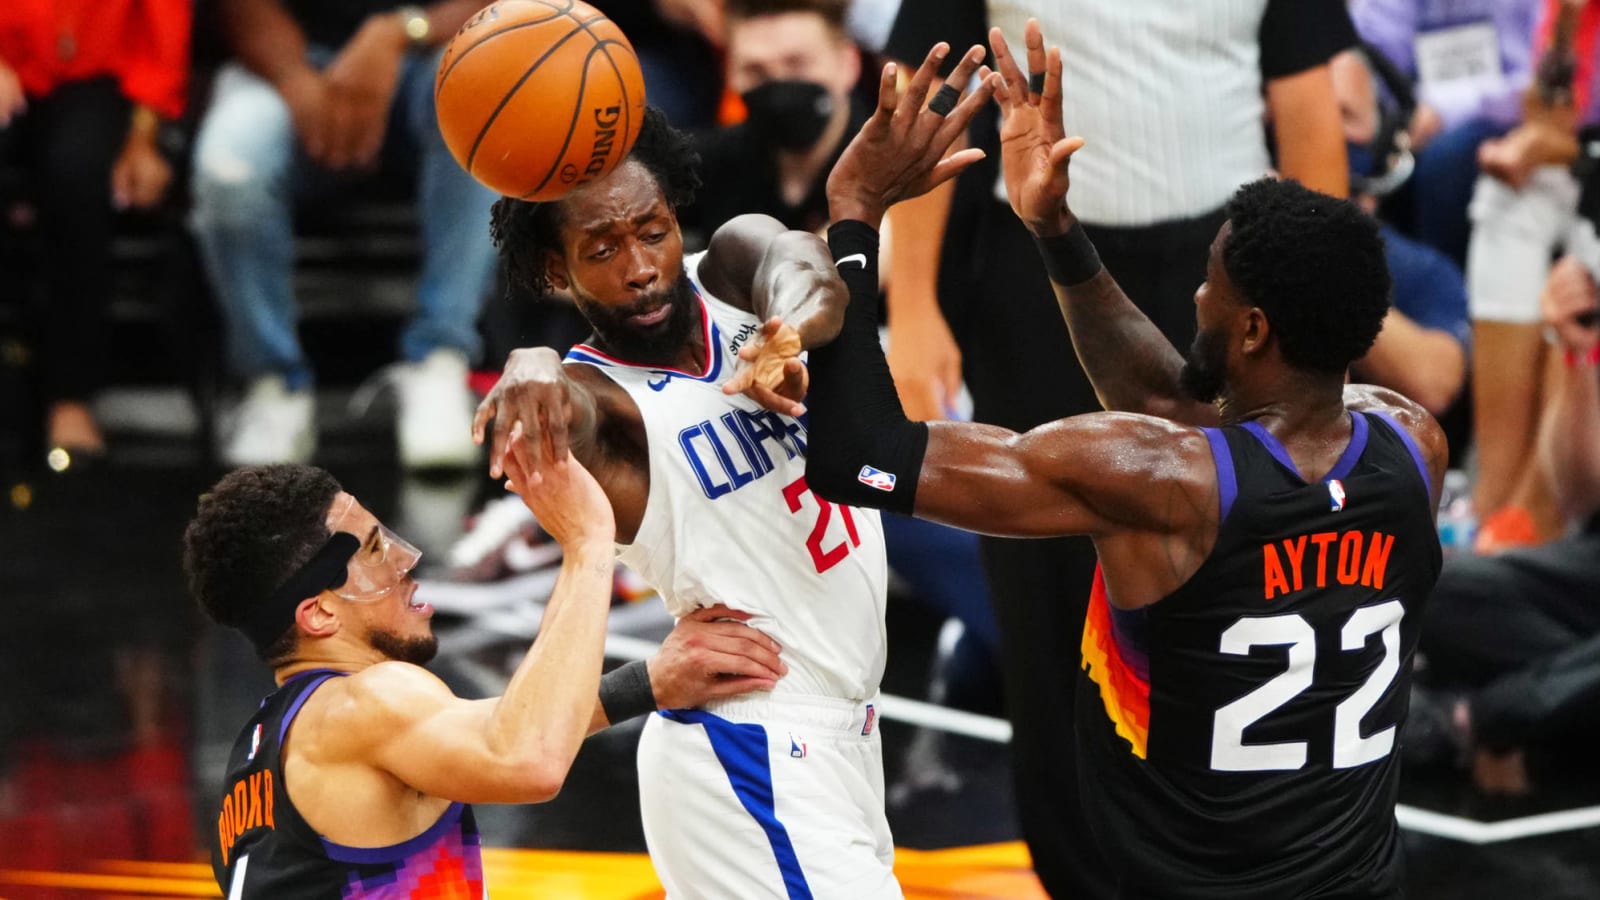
(1417, 422)
(1136, 445)
(387, 695)
(1408, 413)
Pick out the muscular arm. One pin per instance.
(755, 263)
(1310, 133)
(1093, 474)
(1131, 364)
(513, 749)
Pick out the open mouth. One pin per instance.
(654, 317)
(421, 609)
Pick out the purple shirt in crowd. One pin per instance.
(1393, 26)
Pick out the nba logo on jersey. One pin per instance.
(1335, 495)
(872, 715)
(797, 749)
(255, 743)
(876, 478)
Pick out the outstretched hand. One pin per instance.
(1034, 147)
(900, 152)
(770, 371)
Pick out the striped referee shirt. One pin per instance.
(1167, 93)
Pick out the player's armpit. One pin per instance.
(1096, 475)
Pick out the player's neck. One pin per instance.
(1290, 405)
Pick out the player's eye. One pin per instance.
(602, 253)
(655, 237)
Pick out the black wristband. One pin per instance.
(1069, 258)
(625, 692)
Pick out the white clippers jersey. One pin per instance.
(729, 518)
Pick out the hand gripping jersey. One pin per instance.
(265, 850)
(729, 518)
(1239, 738)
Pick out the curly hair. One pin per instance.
(250, 532)
(1315, 265)
(526, 231)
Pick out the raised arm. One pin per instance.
(518, 747)
(1087, 475)
(1131, 364)
(755, 263)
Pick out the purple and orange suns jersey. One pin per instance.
(1239, 738)
(265, 849)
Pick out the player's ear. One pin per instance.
(1256, 331)
(315, 618)
(555, 270)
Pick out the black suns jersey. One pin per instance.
(265, 850)
(1239, 738)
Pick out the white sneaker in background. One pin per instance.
(435, 417)
(272, 425)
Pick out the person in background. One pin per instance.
(1469, 61)
(84, 88)
(1512, 641)
(317, 93)
(1524, 209)
(1422, 350)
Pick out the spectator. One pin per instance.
(1470, 60)
(84, 87)
(1523, 209)
(1176, 127)
(796, 70)
(1422, 350)
(1512, 641)
(315, 94)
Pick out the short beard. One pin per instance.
(656, 344)
(1204, 368)
(417, 651)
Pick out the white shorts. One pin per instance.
(1515, 233)
(777, 799)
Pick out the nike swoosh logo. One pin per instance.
(860, 258)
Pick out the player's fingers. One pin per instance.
(558, 422)
(1033, 40)
(497, 448)
(480, 419)
(1050, 100)
(916, 93)
(888, 93)
(796, 379)
(956, 123)
(1016, 82)
(737, 664)
(770, 399)
(1061, 152)
(953, 166)
(718, 611)
(736, 685)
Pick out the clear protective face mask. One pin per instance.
(382, 561)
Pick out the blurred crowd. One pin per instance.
(1468, 128)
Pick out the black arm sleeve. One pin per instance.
(1297, 35)
(861, 448)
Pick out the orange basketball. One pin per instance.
(536, 97)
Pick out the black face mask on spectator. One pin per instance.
(790, 115)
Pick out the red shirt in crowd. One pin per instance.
(144, 44)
